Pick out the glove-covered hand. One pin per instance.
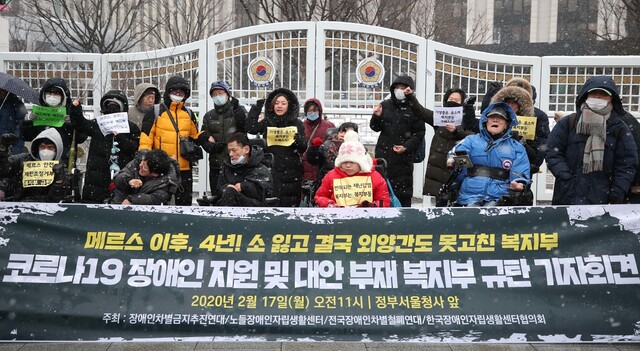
(470, 101)
(316, 142)
(8, 139)
(367, 204)
(451, 163)
(59, 173)
(495, 85)
(260, 103)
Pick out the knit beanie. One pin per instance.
(220, 84)
(352, 150)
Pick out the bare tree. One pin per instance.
(99, 26)
(618, 31)
(481, 32)
(425, 24)
(188, 21)
(612, 14)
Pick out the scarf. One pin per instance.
(593, 124)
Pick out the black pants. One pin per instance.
(185, 189)
(231, 197)
(214, 174)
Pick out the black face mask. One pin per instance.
(111, 107)
(451, 104)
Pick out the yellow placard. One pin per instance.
(37, 173)
(281, 136)
(352, 191)
(527, 127)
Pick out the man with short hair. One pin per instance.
(150, 179)
(244, 180)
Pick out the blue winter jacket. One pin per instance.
(504, 153)
(565, 150)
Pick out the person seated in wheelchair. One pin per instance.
(353, 182)
(244, 179)
(151, 178)
(499, 164)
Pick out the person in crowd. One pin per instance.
(145, 95)
(401, 132)
(353, 182)
(245, 180)
(149, 179)
(107, 153)
(500, 163)
(315, 125)
(30, 179)
(284, 134)
(55, 93)
(633, 195)
(174, 121)
(225, 119)
(445, 137)
(592, 153)
(12, 113)
(323, 154)
(492, 89)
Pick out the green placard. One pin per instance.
(49, 116)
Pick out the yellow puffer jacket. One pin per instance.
(163, 134)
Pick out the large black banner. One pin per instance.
(76, 272)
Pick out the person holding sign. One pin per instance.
(55, 101)
(151, 178)
(447, 134)
(36, 176)
(401, 132)
(284, 134)
(592, 153)
(114, 142)
(244, 180)
(499, 163)
(353, 182)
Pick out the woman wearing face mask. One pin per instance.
(591, 152)
(226, 118)
(445, 137)
(284, 134)
(55, 93)
(315, 126)
(37, 186)
(401, 132)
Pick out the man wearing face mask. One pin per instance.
(174, 121)
(315, 126)
(30, 179)
(401, 132)
(226, 118)
(55, 93)
(244, 180)
(146, 95)
(591, 152)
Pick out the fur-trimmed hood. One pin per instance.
(522, 83)
(520, 95)
(292, 111)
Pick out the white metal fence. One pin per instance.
(319, 59)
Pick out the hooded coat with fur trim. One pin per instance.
(98, 174)
(287, 166)
(565, 151)
(312, 130)
(12, 168)
(398, 125)
(28, 131)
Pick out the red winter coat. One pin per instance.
(311, 171)
(325, 195)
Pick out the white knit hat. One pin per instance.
(353, 151)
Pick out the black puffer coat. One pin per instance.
(565, 151)
(98, 174)
(398, 126)
(221, 122)
(287, 168)
(254, 177)
(154, 190)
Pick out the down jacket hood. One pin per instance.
(403, 79)
(176, 82)
(605, 83)
(60, 85)
(115, 94)
(522, 83)
(294, 105)
(313, 101)
(141, 88)
(51, 134)
(520, 95)
(483, 119)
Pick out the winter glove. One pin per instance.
(260, 103)
(316, 142)
(8, 139)
(367, 204)
(470, 101)
(59, 173)
(495, 86)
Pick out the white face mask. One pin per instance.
(52, 100)
(219, 100)
(399, 94)
(239, 161)
(46, 155)
(176, 98)
(596, 104)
